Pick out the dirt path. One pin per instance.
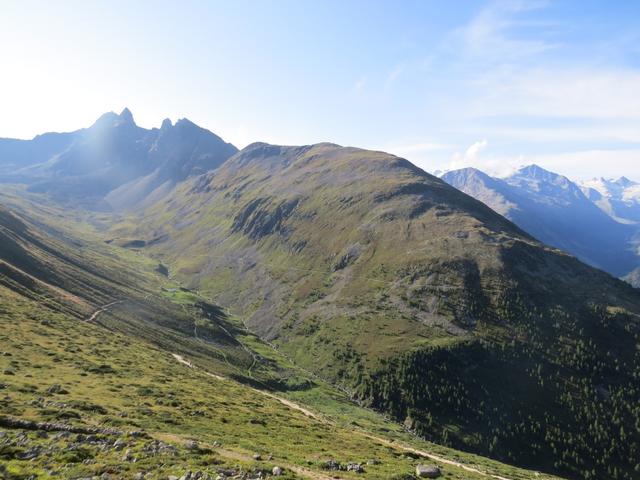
(183, 361)
(293, 406)
(432, 456)
(102, 309)
(284, 401)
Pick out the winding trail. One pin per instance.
(101, 310)
(284, 401)
(432, 456)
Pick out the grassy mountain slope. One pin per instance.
(83, 351)
(416, 298)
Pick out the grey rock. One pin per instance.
(428, 471)
(331, 465)
(191, 445)
(355, 467)
(56, 388)
(128, 456)
(277, 471)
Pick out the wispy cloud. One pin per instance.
(493, 34)
(587, 92)
(393, 75)
(360, 84)
(524, 87)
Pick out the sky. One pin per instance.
(445, 84)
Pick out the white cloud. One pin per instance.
(474, 150)
(490, 164)
(469, 157)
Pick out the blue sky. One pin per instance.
(445, 84)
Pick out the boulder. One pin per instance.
(56, 388)
(277, 471)
(331, 465)
(191, 445)
(128, 456)
(427, 471)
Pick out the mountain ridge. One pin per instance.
(114, 163)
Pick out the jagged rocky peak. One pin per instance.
(624, 182)
(166, 124)
(106, 119)
(536, 172)
(186, 123)
(126, 116)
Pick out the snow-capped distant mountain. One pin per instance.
(555, 210)
(546, 187)
(619, 198)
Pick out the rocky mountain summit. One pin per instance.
(114, 164)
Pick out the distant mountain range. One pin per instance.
(114, 164)
(597, 221)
